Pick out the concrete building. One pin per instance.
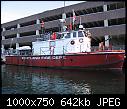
(105, 20)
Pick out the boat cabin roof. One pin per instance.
(64, 35)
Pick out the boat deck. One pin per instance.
(100, 52)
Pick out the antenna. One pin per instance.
(64, 15)
(64, 6)
(80, 20)
(63, 18)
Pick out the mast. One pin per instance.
(64, 17)
(80, 20)
(64, 6)
(62, 21)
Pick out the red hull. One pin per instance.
(82, 60)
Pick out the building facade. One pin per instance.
(105, 21)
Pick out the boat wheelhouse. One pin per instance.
(66, 42)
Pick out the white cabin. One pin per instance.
(71, 42)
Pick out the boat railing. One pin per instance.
(118, 47)
(10, 52)
(48, 49)
(16, 52)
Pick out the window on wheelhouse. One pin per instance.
(59, 35)
(80, 34)
(67, 35)
(74, 34)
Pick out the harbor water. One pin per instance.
(34, 80)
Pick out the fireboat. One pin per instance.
(69, 50)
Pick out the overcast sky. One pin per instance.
(12, 10)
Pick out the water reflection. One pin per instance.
(31, 80)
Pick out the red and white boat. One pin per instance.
(67, 50)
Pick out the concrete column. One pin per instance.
(18, 25)
(4, 29)
(37, 22)
(18, 35)
(2, 49)
(3, 38)
(106, 25)
(17, 44)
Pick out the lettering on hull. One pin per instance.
(45, 57)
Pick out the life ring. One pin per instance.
(81, 40)
(72, 42)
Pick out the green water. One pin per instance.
(32, 80)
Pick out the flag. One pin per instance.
(70, 26)
(42, 23)
(42, 26)
(74, 16)
(53, 36)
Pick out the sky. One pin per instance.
(12, 10)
